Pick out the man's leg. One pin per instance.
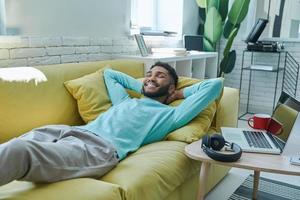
(15, 159)
(49, 133)
(74, 154)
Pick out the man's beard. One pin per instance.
(163, 91)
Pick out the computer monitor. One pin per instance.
(193, 42)
(256, 31)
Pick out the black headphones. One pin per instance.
(214, 143)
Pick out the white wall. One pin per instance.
(68, 17)
(81, 17)
(190, 17)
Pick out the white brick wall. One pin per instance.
(45, 41)
(37, 50)
(88, 49)
(4, 54)
(7, 42)
(99, 56)
(27, 52)
(101, 41)
(13, 63)
(76, 41)
(123, 41)
(73, 58)
(47, 60)
(52, 51)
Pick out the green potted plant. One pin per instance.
(217, 21)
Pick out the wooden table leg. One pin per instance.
(205, 166)
(255, 184)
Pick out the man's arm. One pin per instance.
(116, 82)
(196, 98)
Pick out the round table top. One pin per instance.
(253, 161)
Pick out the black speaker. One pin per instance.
(212, 145)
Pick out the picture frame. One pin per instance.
(142, 45)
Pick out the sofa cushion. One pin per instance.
(75, 189)
(91, 95)
(154, 171)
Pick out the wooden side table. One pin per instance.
(254, 161)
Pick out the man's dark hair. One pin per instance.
(170, 69)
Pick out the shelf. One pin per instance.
(265, 70)
(246, 50)
(245, 116)
(195, 64)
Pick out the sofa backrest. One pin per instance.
(26, 105)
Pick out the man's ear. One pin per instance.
(172, 88)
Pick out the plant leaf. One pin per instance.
(223, 9)
(221, 6)
(202, 16)
(213, 25)
(227, 64)
(207, 46)
(228, 27)
(213, 3)
(202, 3)
(230, 41)
(238, 11)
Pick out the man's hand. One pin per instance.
(177, 94)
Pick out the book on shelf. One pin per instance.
(170, 51)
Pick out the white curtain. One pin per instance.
(2, 18)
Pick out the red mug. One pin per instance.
(275, 127)
(259, 121)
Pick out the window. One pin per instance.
(157, 15)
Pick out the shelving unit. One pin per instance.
(276, 70)
(195, 64)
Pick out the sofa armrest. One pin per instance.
(227, 111)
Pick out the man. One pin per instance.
(58, 152)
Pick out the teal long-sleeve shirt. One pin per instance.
(131, 122)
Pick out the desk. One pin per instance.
(253, 161)
(195, 64)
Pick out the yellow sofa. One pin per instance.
(156, 171)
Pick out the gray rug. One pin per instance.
(268, 190)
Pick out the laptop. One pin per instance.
(260, 141)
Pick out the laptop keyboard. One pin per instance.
(257, 139)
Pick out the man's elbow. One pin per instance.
(219, 84)
(216, 85)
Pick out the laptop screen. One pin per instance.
(286, 113)
(256, 31)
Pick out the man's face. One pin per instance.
(157, 82)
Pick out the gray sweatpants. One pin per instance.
(53, 153)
